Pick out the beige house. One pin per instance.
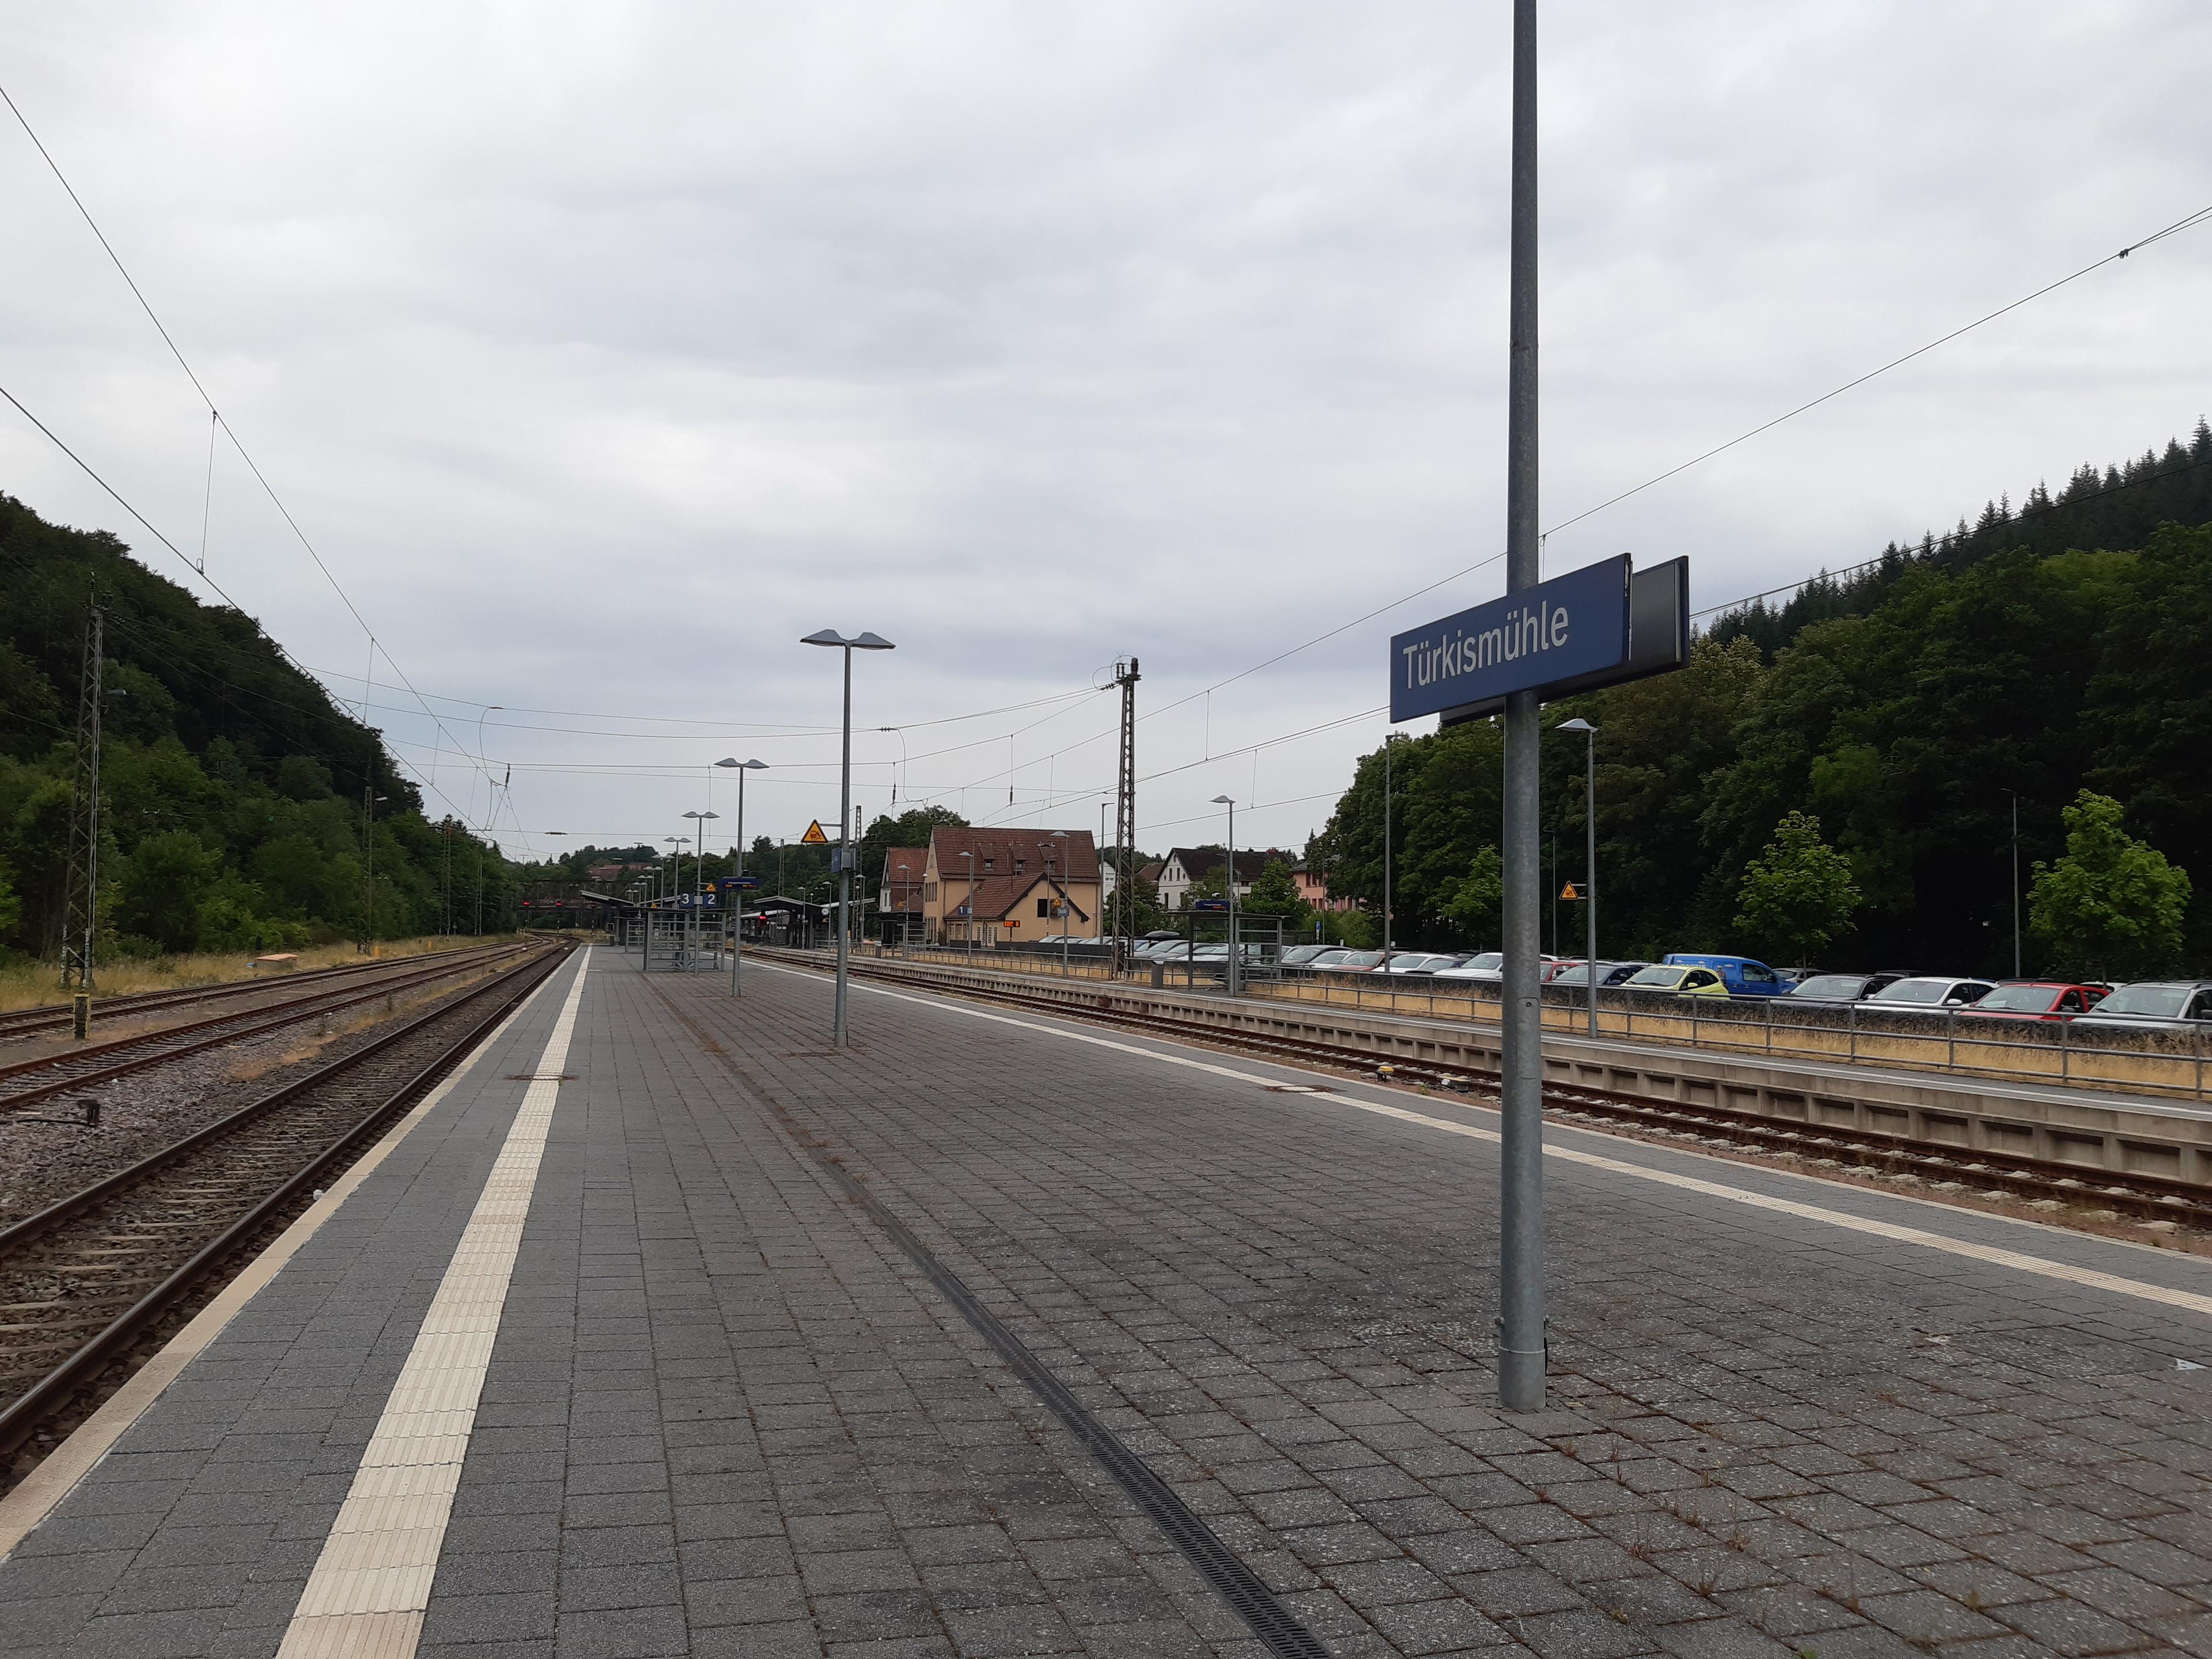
(1002, 887)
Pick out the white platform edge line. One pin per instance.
(59, 1472)
(1995, 1255)
(366, 1574)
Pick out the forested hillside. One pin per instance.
(1903, 722)
(231, 785)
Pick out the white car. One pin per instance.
(1927, 994)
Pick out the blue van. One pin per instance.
(1743, 977)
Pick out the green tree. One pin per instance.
(1475, 902)
(1275, 893)
(2113, 906)
(164, 880)
(11, 908)
(1798, 892)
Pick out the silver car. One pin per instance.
(2162, 1005)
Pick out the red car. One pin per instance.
(2037, 999)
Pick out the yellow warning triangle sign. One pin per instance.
(1568, 891)
(814, 837)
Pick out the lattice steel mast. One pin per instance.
(81, 919)
(1125, 818)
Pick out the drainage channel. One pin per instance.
(1278, 1630)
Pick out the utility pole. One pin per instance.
(2014, 793)
(81, 919)
(1389, 940)
(1521, 1163)
(369, 856)
(1125, 819)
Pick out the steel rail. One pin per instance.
(2149, 1197)
(161, 1046)
(25, 1022)
(21, 1417)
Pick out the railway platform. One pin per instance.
(665, 1329)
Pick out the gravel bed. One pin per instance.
(42, 1164)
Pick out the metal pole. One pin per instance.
(737, 893)
(1589, 871)
(837, 1033)
(2015, 882)
(1387, 736)
(1232, 975)
(1521, 1171)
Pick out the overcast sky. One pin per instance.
(602, 351)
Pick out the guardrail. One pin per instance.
(1951, 1042)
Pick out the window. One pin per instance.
(2070, 1003)
(929, 891)
(1044, 907)
(1755, 975)
(1020, 864)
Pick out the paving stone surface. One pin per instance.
(727, 1414)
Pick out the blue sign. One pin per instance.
(1209, 904)
(741, 883)
(1571, 625)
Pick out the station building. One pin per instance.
(1002, 887)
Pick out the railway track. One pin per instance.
(1956, 1173)
(29, 1021)
(29, 1081)
(91, 1284)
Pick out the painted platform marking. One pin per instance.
(1994, 1255)
(367, 1595)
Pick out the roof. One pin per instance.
(1200, 862)
(998, 897)
(996, 851)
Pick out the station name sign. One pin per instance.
(1569, 628)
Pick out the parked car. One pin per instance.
(1359, 962)
(1683, 978)
(1840, 988)
(1745, 976)
(1421, 961)
(2164, 1004)
(1487, 966)
(1929, 993)
(2038, 999)
(1297, 955)
(1608, 973)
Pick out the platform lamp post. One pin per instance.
(737, 862)
(1231, 975)
(862, 642)
(1589, 864)
(968, 932)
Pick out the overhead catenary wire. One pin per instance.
(216, 417)
(2179, 225)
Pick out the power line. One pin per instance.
(2173, 229)
(2070, 503)
(376, 645)
(2186, 223)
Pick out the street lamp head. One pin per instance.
(1223, 801)
(747, 765)
(1575, 725)
(861, 641)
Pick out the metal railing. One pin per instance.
(1952, 1040)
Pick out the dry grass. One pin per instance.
(35, 984)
